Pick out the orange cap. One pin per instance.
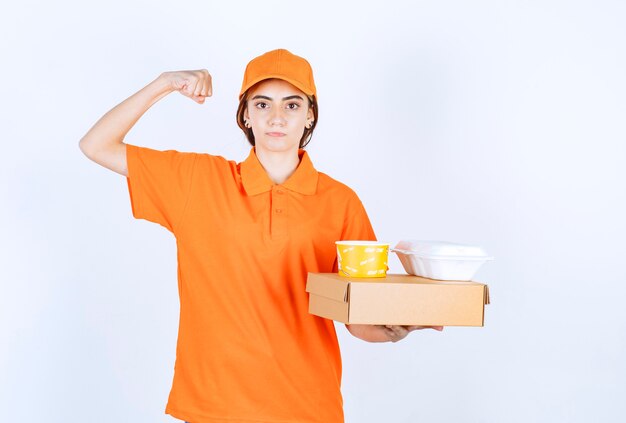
(280, 64)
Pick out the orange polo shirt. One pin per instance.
(248, 350)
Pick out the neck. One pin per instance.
(279, 166)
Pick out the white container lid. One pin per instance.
(441, 250)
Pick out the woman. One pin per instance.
(247, 234)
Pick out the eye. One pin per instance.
(293, 106)
(261, 105)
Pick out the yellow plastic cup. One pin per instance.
(362, 259)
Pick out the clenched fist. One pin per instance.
(195, 84)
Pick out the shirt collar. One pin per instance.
(255, 180)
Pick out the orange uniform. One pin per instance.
(248, 350)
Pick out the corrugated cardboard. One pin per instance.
(397, 300)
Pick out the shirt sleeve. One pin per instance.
(357, 225)
(159, 183)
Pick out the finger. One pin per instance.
(203, 87)
(190, 86)
(390, 333)
(399, 332)
(205, 82)
(389, 329)
(209, 86)
(183, 83)
(199, 90)
(197, 87)
(399, 328)
(187, 89)
(199, 98)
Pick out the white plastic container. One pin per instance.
(440, 260)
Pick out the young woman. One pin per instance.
(247, 234)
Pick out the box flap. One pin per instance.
(328, 286)
(487, 301)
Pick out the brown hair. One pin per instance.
(306, 136)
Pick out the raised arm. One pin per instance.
(104, 142)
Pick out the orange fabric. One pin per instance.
(248, 350)
(280, 64)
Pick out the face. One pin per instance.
(278, 113)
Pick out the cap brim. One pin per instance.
(296, 84)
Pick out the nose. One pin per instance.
(277, 117)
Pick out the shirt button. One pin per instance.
(279, 210)
(279, 191)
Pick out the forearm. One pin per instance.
(112, 128)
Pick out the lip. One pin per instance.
(275, 134)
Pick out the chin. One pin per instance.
(277, 146)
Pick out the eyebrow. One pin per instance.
(291, 97)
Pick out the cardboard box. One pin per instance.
(397, 300)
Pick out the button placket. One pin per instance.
(279, 215)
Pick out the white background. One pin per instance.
(496, 123)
